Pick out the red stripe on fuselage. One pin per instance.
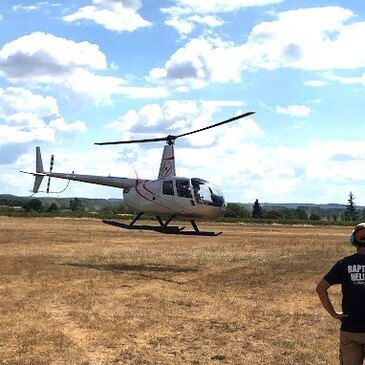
(144, 187)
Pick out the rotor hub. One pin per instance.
(170, 139)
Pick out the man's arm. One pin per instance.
(322, 291)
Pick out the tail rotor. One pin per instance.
(40, 174)
(50, 170)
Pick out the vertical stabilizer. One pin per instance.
(39, 163)
(167, 167)
(39, 168)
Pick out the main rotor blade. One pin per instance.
(217, 124)
(171, 138)
(134, 141)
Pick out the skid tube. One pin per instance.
(163, 228)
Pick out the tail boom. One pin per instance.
(117, 182)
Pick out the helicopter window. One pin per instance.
(183, 188)
(167, 187)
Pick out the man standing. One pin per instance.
(349, 272)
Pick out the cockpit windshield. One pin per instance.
(207, 193)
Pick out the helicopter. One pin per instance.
(166, 198)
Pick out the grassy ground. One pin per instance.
(75, 291)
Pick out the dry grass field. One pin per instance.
(75, 291)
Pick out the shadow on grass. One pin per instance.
(140, 270)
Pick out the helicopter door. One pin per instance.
(183, 188)
(184, 191)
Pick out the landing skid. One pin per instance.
(163, 228)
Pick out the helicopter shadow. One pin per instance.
(142, 270)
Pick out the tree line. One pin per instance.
(76, 206)
(349, 214)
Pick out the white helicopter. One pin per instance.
(166, 198)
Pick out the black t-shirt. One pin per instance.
(350, 273)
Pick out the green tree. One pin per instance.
(351, 213)
(235, 210)
(315, 217)
(288, 213)
(53, 207)
(301, 213)
(123, 209)
(273, 214)
(33, 204)
(108, 212)
(76, 205)
(318, 211)
(257, 210)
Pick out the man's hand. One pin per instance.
(339, 316)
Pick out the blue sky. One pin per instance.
(75, 73)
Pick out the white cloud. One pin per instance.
(185, 14)
(35, 6)
(218, 6)
(114, 15)
(27, 117)
(44, 59)
(210, 20)
(347, 80)
(327, 43)
(182, 26)
(14, 99)
(99, 88)
(330, 42)
(315, 83)
(293, 110)
(61, 125)
(83, 82)
(185, 25)
(199, 62)
(342, 161)
(153, 118)
(25, 127)
(45, 56)
(26, 8)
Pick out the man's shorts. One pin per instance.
(352, 348)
